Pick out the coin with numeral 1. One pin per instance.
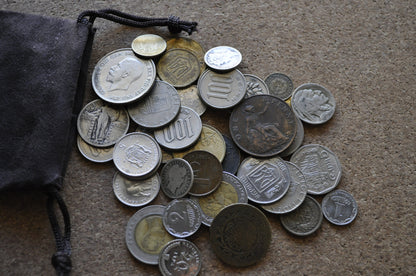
(339, 207)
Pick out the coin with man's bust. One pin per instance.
(177, 178)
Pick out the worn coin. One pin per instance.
(297, 142)
(121, 77)
(320, 166)
(180, 257)
(191, 45)
(305, 219)
(223, 58)
(177, 178)
(262, 125)
(279, 85)
(255, 86)
(313, 103)
(166, 155)
(240, 235)
(189, 97)
(95, 154)
(232, 157)
(102, 125)
(148, 45)
(339, 207)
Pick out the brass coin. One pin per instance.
(189, 97)
(191, 45)
(148, 45)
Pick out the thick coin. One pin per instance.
(179, 67)
(102, 125)
(297, 142)
(158, 108)
(191, 45)
(279, 85)
(207, 172)
(320, 166)
(146, 235)
(177, 178)
(222, 91)
(223, 58)
(189, 97)
(134, 192)
(232, 157)
(180, 258)
(98, 155)
(263, 125)
(148, 45)
(182, 217)
(305, 220)
(266, 180)
(313, 103)
(240, 235)
(121, 77)
(339, 207)
(255, 86)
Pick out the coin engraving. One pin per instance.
(182, 217)
(177, 178)
(148, 45)
(180, 257)
(222, 58)
(255, 86)
(279, 85)
(339, 207)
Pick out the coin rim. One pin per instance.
(159, 40)
(80, 140)
(348, 195)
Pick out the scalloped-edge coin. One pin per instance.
(223, 58)
(180, 257)
(339, 207)
(95, 154)
(148, 45)
(177, 178)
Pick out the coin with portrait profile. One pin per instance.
(177, 178)
(148, 45)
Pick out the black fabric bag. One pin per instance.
(43, 70)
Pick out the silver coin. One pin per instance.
(305, 220)
(177, 178)
(339, 207)
(180, 258)
(182, 132)
(266, 180)
(279, 85)
(102, 125)
(166, 156)
(294, 196)
(134, 192)
(121, 77)
(145, 234)
(320, 166)
(98, 155)
(137, 154)
(297, 141)
(222, 91)
(189, 97)
(182, 217)
(313, 103)
(255, 86)
(222, 58)
(158, 108)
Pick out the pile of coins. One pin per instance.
(164, 88)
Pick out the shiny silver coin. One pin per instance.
(223, 58)
(255, 86)
(102, 125)
(95, 154)
(121, 77)
(177, 178)
(339, 207)
(313, 103)
(189, 97)
(180, 258)
(182, 217)
(279, 85)
(297, 141)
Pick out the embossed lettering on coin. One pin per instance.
(339, 207)
(180, 257)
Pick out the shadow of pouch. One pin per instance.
(43, 70)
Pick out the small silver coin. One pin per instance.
(339, 207)
(102, 125)
(222, 58)
(95, 154)
(297, 141)
(255, 86)
(180, 258)
(182, 217)
(177, 178)
(279, 85)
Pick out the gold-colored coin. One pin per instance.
(148, 45)
(212, 204)
(191, 45)
(189, 97)
(151, 235)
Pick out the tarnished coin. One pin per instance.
(266, 180)
(158, 108)
(279, 85)
(223, 58)
(180, 258)
(99, 155)
(230, 191)
(313, 103)
(263, 125)
(177, 178)
(133, 192)
(137, 154)
(207, 172)
(240, 235)
(121, 77)
(189, 97)
(305, 220)
(102, 125)
(255, 86)
(232, 157)
(148, 45)
(146, 235)
(191, 45)
(182, 217)
(320, 166)
(179, 67)
(182, 132)
(294, 196)
(297, 142)
(339, 207)
(222, 91)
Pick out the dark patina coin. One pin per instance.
(232, 157)
(263, 125)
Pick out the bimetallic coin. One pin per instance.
(339, 207)
(262, 125)
(279, 85)
(179, 67)
(223, 58)
(180, 258)
(148, 45)
(189, 97)
(222, 91)
(177, 178)
(305, 220)
(297, 142)
(232, 157)
(102, 125)
(158, 108)
(121, 77)
(313, 103)
(240, 235)
(255, 86)
(98, 155)
(191, 45)
(133, 192)
(182, 217)
(146, 235)
(320, 166)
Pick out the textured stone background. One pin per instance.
(362, 51)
